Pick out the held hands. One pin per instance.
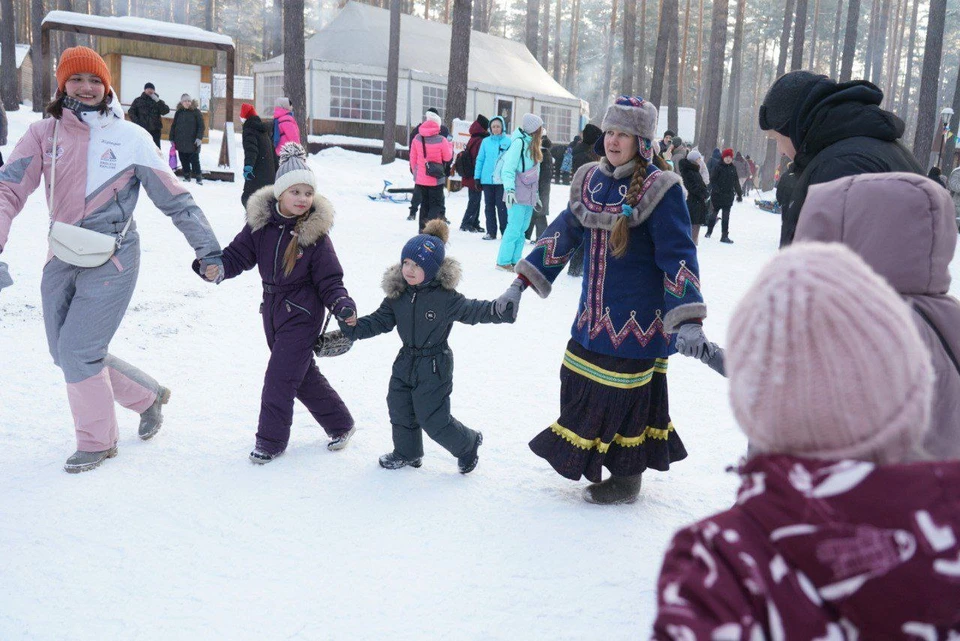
(211, 269)
(247, 172)
(5, 279)
(510, 199)
(348, 316)
(509, 301)
(692, 342)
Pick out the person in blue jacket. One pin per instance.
(521, 183)
(486, 175)
(639, 304)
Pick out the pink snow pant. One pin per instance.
(82, 309)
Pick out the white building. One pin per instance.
(346, 68)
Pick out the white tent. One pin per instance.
(504, 77)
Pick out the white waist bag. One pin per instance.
(75, 245)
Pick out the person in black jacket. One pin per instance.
(146, 111)
(830, 130)
(785, 186)
(186, 133)
(583, 150)
(724, 184)
(422, 303)
(541, 210)
(697, 192)
(258, 168)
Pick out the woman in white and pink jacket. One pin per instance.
(102, 160)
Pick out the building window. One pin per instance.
(271, 88)
(357, 98)
(559, 122)
(435, 97)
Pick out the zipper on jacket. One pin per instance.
(289, 303)
(413, 338)
(276, 252)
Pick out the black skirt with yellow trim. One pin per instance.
(614, 413)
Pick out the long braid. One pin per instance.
(293, 249)
(620, 236)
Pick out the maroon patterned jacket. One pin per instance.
(817, 550)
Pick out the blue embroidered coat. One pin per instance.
(630, 306)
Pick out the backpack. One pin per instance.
(465, 164)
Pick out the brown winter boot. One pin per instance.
(614, 491)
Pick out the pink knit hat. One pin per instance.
(825, 361)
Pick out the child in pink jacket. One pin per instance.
(285, 127)
(429, 146)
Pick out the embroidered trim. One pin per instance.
(678, 287)
(576, 440)
(550, 258)
(587, 193)
(613, 379)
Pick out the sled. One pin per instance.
(388, 194)
(771, 206)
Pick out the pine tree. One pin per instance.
(629, 46)
(733, 97)
(850, 40)
(393, 85)
(36, 55)
(9, 92)
(799, 30)
(718, 40)
(835, 50)
(927, 116)
(660, 57)
(459, 61)
(533, 24)
(294, 84)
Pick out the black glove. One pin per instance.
(345, 313)
(739, 199)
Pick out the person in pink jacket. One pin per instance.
(285, 128)
(102, 161)
(903, 225)
(430, 155)
(841, 528)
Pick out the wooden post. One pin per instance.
(45, 61)
(231, 60)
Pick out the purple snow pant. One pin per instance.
(291, 331)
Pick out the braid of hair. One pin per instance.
(293, 248)
(620, 236)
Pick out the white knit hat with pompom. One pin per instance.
(293, 169)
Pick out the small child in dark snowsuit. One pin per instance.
(287, 236)
(422, 303)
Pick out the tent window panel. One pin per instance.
(559, 122)
(357, 98)
(435, 97)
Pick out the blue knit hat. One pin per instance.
(427, 249)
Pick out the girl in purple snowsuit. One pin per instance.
(287, 236)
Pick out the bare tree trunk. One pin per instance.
(836, 41)
(929, 83)
(608, 63)
(629, 46)
(533, 24)
(895, 51)
(393, 87)
(36, 19)
(545, 41)
(180, 11)
(904, 108)
(556, 42)
(718, 41)
(683, 52)
(871, 39)
(642, 60)
(799, 31)
(733, 97)
(660, 57)
(701, 94)
(813, 35)
(673, 67)
(771, 157)
(570, 77)
(850, 40)
(9, 91)
(294, 84)
(459, 62)
(879, 46)
(785, 37)
(426, 9)
(208, 15)
(69, 38)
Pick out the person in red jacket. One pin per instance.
(430, 155)
(841, 529)
(478, 131)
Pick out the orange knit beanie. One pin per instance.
(82, 60)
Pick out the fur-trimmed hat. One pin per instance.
(632, 115)
(293, 169)
(427, 249)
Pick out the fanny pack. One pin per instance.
(75, 245)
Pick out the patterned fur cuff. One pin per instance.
(538, 282)
(678, 315)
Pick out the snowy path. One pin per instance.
(182, 538)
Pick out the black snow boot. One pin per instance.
(726, 239)
(394, 461)
(614, 491)
(468, 462)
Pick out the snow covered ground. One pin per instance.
(182, 538)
